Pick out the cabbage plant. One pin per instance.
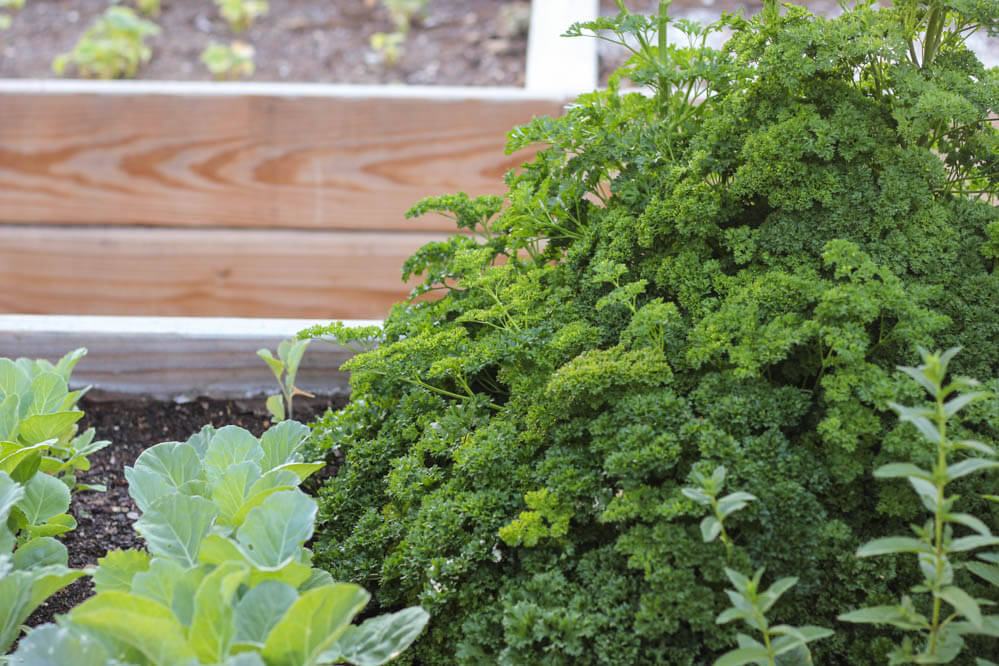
(227, 578)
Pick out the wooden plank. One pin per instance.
(173, 358)
(149, 271)
(556, 63)
(304, 157)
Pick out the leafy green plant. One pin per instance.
(9, 7)
(357, 339)
(226, 579)
(781, 644)
(229, 62)
(40, 454)
(706, 494)
(31, 571)
(768, 232)
(112, 48)
(940, 635)
(391, 45)
(148, 7)
(38, 418)
(285, 368)
(241, 13)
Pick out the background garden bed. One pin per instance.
(250, 199)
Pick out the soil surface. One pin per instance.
(455, 42)
(105, 519)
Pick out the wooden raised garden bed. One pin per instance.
(250, 199)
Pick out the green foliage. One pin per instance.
(391, 45)
(355, 338)
(148, 7)
(37, 568)
(112, 48)
(240, 14)
(713, 526)
(227, 578)
(38, 416)
(750, 605)
(229, 62)
(723, 272)
(285, 368)
(941, 636)
(782, 644)
(10, 7)
(40, 453)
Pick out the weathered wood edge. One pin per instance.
(174, 358)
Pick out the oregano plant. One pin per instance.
(750, 602)
(952, 612)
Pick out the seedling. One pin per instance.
(713, 526)
(390, 45)
(11, 6)
(112, 48)
(402, 12)
(241, 13)
(284, 367)
(148, 7)
(229, 62)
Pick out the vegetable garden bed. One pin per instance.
(249, 199)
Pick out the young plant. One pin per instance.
(402, 12)
(229, 62)
(713, 526)
(938, 635)
(749, 603)
(285, 367)
(38, 418)
(390, 45)
(11, 6)
(112, 48)
(241, 13)
(32, 570)
(148, 7)
(227, 577)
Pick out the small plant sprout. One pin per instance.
(388, 45)
(148, 7)
(112, 48)
(241, 14)
(402, 12)
(10, 6)
(285, 367)
(227, 63)
(749, 604)
(939, 636)
(713, 526)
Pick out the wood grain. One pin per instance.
(203, 272)
(170, 365)
(339, 160)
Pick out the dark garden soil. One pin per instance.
(105, 519)
(458, 42)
